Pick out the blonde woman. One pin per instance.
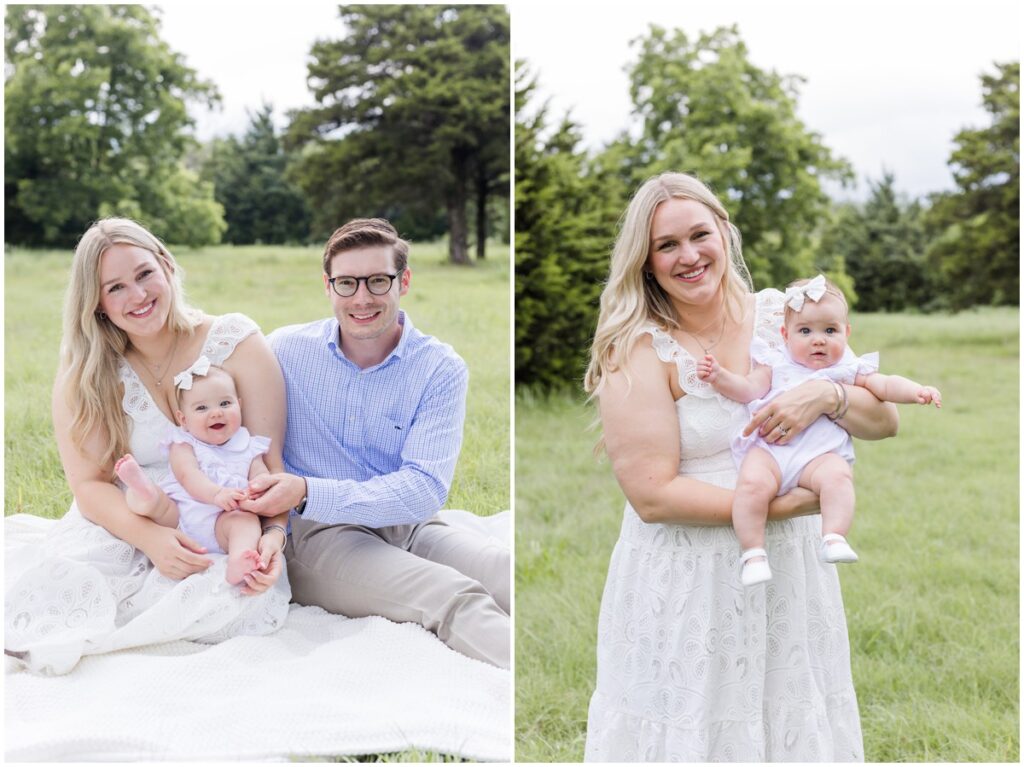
(692, 667)
(127, 333)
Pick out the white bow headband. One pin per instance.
(813, 290)
(199, 368)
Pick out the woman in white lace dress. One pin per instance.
(106, 578)
(692, 667)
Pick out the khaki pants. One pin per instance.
(452, 582)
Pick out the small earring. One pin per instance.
(102, 315)
(649, 275)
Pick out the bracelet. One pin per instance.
(268, 528)
(844, 402)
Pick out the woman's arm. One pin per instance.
(641, 432)
(100, 501)
(796, 409)
(260, 386)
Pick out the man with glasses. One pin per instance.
(375, 414)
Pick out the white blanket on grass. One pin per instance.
(321, 685)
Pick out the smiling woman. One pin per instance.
(690, 666)
(127, 328)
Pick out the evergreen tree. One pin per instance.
(249, 178)
(564, 230)
(882, 244)
(414, 112)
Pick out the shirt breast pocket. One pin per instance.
(388, 440)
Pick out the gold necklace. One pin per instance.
(160, 372)
(695, 337)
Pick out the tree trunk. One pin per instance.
(481, 212)
(458, 228)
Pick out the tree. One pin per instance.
(95, 120)
(564, 229)
(249, 179)
(976, 230)
(882, 244)
(414, 110)
(706, 109)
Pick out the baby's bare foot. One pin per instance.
(142, 487)
(242, 563)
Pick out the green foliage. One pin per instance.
(248, 176)
(976, 229)
(706, 109)
(882, 245)
(932, 608)
(564, 223)
(94, 121)
(413, 115)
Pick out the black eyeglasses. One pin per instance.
(378, 284)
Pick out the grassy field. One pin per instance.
(466, 307)
(932, 608)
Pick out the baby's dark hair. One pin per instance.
(830, 288)
(179, 393)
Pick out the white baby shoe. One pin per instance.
(837, 552)
(755, 572)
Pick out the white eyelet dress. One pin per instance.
(691, 666)
(84, 591)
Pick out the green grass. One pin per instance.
(932, 608)
(466, 307)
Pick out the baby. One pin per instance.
(212, 458)
(815, 329)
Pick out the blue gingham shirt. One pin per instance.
(377, 446)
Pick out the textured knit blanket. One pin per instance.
(321, 685)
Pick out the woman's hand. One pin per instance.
(793, 411)
(798, 502)
(270, 548)
(173, 553)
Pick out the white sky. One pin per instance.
(888, 83)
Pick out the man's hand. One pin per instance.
(273, 494)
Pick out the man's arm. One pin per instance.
(414, 492)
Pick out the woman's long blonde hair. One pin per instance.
(628, 301)
(92, 347)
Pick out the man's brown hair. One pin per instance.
(363, 233)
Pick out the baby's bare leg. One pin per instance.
(143, 495)
(757, 484)
(831, 477)
(238, 533)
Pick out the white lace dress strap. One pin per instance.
(226, 332)
(670, 350)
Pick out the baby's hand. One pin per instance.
(228, 498)
(708, 369)
(929, 394)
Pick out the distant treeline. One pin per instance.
(702, 107)
(411, 123)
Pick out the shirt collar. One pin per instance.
(332, 332)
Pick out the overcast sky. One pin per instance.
(888, 83)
